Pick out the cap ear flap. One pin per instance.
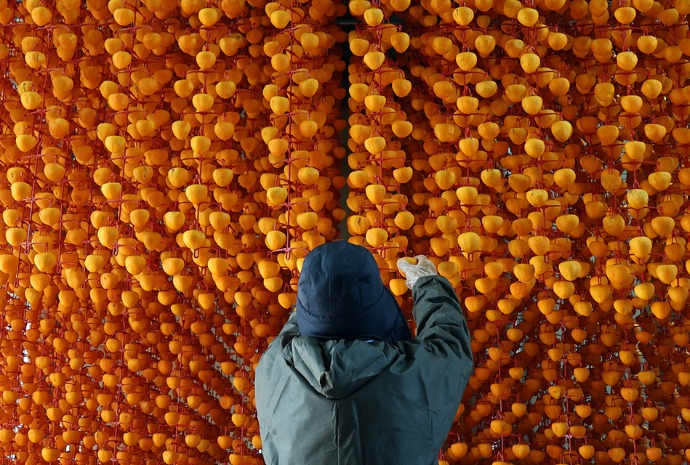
(400, 330)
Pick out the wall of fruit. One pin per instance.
(166, 166)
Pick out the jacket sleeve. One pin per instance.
(442, 330)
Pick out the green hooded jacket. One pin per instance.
(355, 402)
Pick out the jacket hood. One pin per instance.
(337, 368)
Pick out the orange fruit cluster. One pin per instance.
(167, 165)
(554, 196)
(165, 168)
(378, 127)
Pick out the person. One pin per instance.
(346, 383)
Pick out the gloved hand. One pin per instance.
(424, 267)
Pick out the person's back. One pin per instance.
(370, 394)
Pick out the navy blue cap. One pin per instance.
(340, 295)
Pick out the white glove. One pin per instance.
(424, 267)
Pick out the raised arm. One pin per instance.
(441, 325)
